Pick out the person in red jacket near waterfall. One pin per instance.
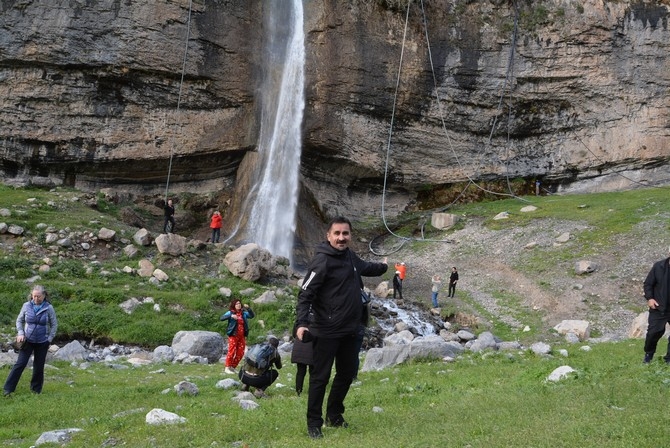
(216, 226)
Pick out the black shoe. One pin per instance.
(6, 393)
(337, 422)
(648, 357)
(314, 432)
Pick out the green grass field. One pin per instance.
(487, 400)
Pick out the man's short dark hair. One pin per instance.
(339, 220)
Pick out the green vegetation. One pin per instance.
(87, 292)
(479, 401)
(608, 215)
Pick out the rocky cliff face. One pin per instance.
(91, 95)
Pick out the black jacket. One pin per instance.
(332, 289)
(656, 284)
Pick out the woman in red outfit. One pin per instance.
(237, 331)
(216, 226)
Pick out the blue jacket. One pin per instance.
(232, 321)
(39, 327)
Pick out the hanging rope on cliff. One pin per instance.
(471, 181)
(181, 84)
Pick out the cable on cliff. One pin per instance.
(471, 181)
(181, 84)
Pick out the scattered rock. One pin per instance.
(560, 373)
(105, 234)
(162, 417)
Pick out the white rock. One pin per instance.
(560, 373)
(162, 417)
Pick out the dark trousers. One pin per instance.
(397, 289)
(259, 381)
(216, 234)
(300, 376)
(168, 219)
(342, 352)
(37, 381)
(655, 331)
(452, 290)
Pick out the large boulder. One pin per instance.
(207, 344)
(142, 237)
(381, 358)
(250, 262)
(443, 220)
(171, 244)
(73, 351)
(581, 328)
(433, 346)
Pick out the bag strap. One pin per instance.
(360, 279)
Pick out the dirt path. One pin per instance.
(486, 262)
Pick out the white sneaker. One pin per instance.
(230, 371)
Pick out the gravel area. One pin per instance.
(488, 263)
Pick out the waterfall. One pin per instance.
(272, 219)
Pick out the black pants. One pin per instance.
(452, 290)
(343, 353)
(168, 219)
(259, 381)
(301, 372)
(37, 380)
(216, 234)
(397, 289)
(655, 331)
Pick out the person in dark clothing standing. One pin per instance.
(453, 278)
(169, 217)
(331, 290)
(397, 285)
(657, 294)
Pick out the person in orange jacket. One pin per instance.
(216, 226)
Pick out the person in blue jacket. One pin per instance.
(36, 327)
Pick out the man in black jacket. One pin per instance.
(657, 294)
(332, 291)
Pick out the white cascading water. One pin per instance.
(272, 220)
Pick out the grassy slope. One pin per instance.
(86, 291)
